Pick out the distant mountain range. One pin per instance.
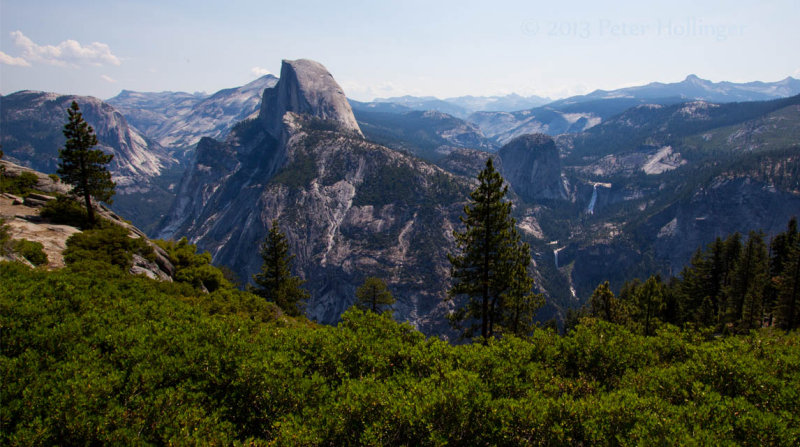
(503, 118)
(579, 113)
(694, 87)
(463, 106)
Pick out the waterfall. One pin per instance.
(592, 202)
(555, 255)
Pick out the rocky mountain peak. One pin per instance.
(306, 87)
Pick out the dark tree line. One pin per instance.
(733, 285)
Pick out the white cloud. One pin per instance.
(11, 60)
(66, 53)
(108, 78)
(258, 71)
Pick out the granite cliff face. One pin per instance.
(306, 87)
(532, 166)
(350, 208)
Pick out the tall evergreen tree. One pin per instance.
(650, 301)
(787, 309)
(748, 281)
(696, 286)
(519, 302)
(83, 167)
(490, 268)
(275, 280)
(602, 302)
(374, 295)
(781, 251)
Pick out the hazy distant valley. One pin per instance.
(610, 185)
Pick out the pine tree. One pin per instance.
(490, 268)
(373, 295)
(781, 250)
(650, 301)
(696, 287)
(83, 167)
(275, 281)
(748, 281)
(602, 302)
(520, 303)
(787, 309)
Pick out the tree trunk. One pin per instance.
(87, 197)
(89, 208)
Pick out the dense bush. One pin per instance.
(30, 250)
(5, 237)
(21, 185)
(65, 210)
(97, 357)
(111, 245)
(192, 267)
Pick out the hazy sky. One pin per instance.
(382, 48)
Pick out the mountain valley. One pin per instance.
(607, 186)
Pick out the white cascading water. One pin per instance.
(592, 202)
(555, 255)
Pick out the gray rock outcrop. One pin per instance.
(24, 222)
(532, 166)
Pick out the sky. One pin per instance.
(393, 48)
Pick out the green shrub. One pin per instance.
(4, 237)
(91, 355)
(20, 185)
(65, 210)
(111, 245)
(192, 267)
(32, 251)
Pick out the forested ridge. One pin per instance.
(733, 285)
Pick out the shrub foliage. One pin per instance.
(93, 356)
